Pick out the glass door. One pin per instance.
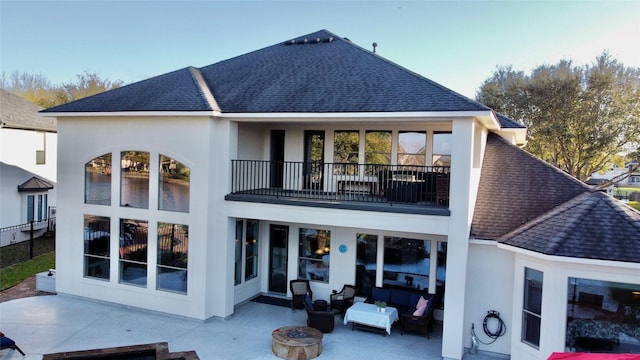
(278, 256)
(313, 160)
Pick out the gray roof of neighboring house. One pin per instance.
(315, 73)
(35, 184)
(18, 113)
(525, 202)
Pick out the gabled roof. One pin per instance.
(592, 225)
(18, 113)
(35, 184)
(515, 188)
(315, 73)
(526, 203)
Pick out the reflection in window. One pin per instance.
(174, 185)
(345, 152)
(134, 179)
(314, 255)
(173, 256)
(406, 262)
(441, 272)
(133, 251)
(97, 239)
(603, 316)
(377, 147)
(97, 181)
(441, 149)
(366, 252)
(251, 246)
(532, 307)
(238, 247)
(412, 148)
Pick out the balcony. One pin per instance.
(390, 188)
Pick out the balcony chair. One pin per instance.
(422, 323)
(322, 320)
(7, 343)
(342, 300)
(299, 289)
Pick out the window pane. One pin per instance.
(173, 256)
(441, 272)
(133, 251)
(603, 316)
(30, 206)
(97, 240)
(39, 208)
(174, 185)
(97, 181)
(378, 147)
(134, 179)
(366, 254)
(406, 262)
(345, 151)
(532, 307)
(238, 247)
(251, 268)
(412, 148)
(315, 247)
(442, 149)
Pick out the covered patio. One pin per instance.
(51, 324)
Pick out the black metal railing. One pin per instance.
(409, 184)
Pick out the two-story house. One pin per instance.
(28, 166)
(194, 191)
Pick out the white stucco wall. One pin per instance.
(185, 139)
(18, 147)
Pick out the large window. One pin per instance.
(603, 316)
(532, 307)
(346, 152)
(406, 262)
(174, 185)
(97, 181)
(97, 240)
(133, 251)
(441, 149)
(366, 255)
(173, 257)
(247, 232)
(412, 148)
(37, 207)
(377, 147)
(134, 179)
(314, 255)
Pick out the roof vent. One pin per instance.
(375, 45)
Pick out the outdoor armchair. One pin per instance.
(342, 300)
(322, 320)
(421, 323)
(299, 289)
(7, 343)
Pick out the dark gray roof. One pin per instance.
(592, 225)
(35, 184)
(325, 73)
(18, 113)
(515, 188)
(506, 122)
(525, 202)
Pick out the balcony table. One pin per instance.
(367, 314)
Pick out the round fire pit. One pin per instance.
(296, 342)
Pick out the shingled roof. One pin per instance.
(18, 113)
(316, 73)
(525, 202)
(515, 188)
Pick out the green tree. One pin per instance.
(578, 117)
(88, 84)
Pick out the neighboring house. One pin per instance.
(28, 164)
(315, 158)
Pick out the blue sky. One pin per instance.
(455, 43)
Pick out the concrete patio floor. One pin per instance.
(50, 324)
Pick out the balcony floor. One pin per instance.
(51, 324)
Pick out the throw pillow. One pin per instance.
(421, 302)
(420, 310)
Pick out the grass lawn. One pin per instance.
(13, 275)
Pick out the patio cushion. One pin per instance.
(380, 294)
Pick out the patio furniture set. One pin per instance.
(413, 308)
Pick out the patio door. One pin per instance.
(313, 160)
(278, 256)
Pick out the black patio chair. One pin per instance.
(299, 289)
(7, 343)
